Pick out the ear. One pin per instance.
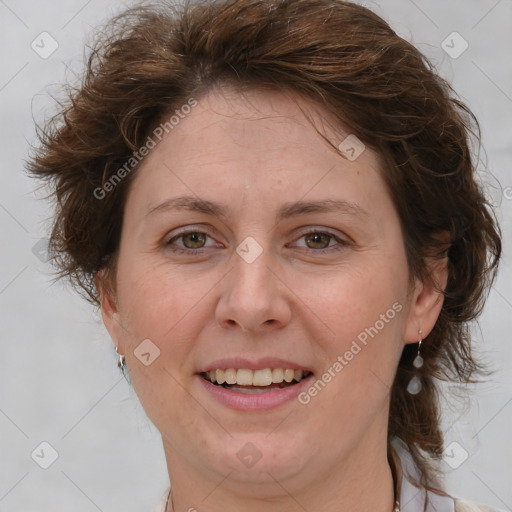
(109, 308)
(427, 300)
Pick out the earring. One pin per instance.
(414, 386)
(121, 363)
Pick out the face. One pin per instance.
(286, 261)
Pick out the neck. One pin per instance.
(361, 481)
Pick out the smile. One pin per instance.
(244, 389)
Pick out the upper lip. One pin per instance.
(255, 364)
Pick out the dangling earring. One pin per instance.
(121, 362)
(414, 386)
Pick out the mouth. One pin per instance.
(246, 381)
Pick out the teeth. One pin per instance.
(288, 375)
(264, 377)
(277, 375)
(230, 376)
(219, 375)
(243, 377)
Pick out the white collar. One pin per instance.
(412, 498)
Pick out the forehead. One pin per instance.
(262, 120)
(232, 145)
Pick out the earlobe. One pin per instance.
(427, 301)
(109, 307)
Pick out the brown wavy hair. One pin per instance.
(152, 59)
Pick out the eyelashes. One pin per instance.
(201, 237)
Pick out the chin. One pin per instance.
(261, 457)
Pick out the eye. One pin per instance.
(193, 241)
(318, 241)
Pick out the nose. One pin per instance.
(254, 296)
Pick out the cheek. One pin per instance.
(160, 305)
(156, 300)
(365, 310)
(353, 301)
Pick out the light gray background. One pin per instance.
(58, 377)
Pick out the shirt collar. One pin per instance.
(412, 497)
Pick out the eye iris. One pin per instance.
(194, 236)
(316, 236)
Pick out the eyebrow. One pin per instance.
(286, 211)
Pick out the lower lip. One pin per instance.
(255, 401)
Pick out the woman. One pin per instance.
(274, 204)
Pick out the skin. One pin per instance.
(254, 153)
